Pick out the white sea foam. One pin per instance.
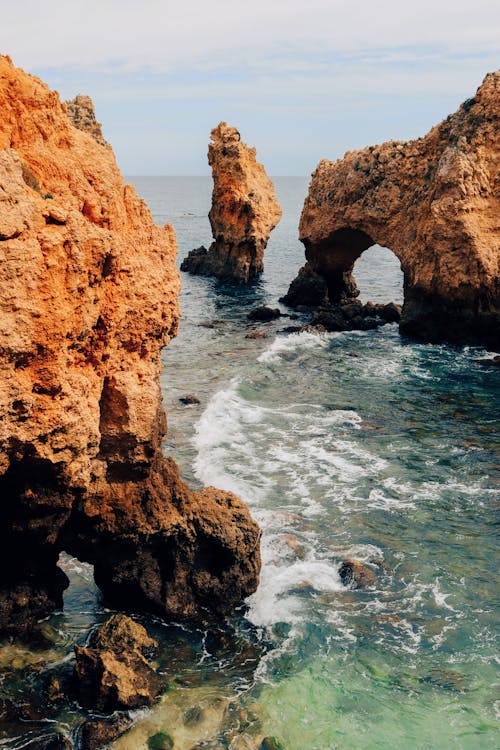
(283, 346)
(277, 598)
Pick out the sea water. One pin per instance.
(365, 445)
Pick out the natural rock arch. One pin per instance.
(435, 203)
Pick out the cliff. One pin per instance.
(243, 214)
(89, 297)
(435, 203)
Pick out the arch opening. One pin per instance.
(378, 276)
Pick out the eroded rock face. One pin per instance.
(81, 112)
(435, 203)
(243, 214)
(89, 297)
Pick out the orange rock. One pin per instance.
(89, 297)
(435, 203)
(243, 214)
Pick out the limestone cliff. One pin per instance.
(435, 202)
(243, 214)
(89, 296)
(81, 111)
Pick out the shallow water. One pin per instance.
(360, 444)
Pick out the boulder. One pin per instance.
(112, 672)
(264, 314)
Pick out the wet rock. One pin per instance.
(489, 361)
(318, 328)
(244, 211)
(256, 335)
(446, 678)
(271, 743)
(264, 314)
(391, 312)
(113, 673)
(56, 689)
(160, 741)
(19, 710)
(291, 329)
(189, 399)
(209, 745)
(52, 741)
(357, 574)
(308, 289)
(98, 733)
(193, 716)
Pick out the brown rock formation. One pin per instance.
(113, 671)
(435, 203)
(81, 113)
(244, 211)
(89, 296)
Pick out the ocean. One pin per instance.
(362, 444)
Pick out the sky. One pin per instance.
(300, 80)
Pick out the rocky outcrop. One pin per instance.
(81, 113)
(435, 203)
(244, 211)
(89, 297)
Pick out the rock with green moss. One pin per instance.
(271, 743)
(160, 741)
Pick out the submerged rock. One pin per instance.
(52, 741)
(434, 202)
(271, 743)
(244, 211)
(160, 741)
(112, 672)
(189, 400)
(264, 314)
(357, 574)
(88, 300)
(97, 733)
(257, 335)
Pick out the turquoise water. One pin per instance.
(360, 444)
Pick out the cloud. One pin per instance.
(166, 37)
(300, 80)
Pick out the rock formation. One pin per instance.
(244, 211)
(81, 112)
(89, 296)
(113, 672)
(435, 203)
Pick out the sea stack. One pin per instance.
(243, 214)
(89, 297)
(435, 203)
